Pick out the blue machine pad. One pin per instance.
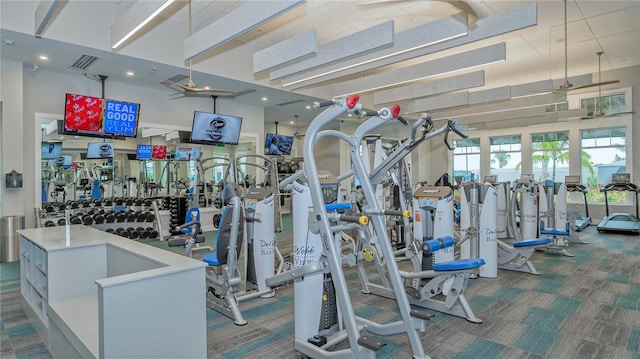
(459, 264)
(212, 259)
(532, 242)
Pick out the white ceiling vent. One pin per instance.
(83, 63)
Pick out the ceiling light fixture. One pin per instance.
(43, 57)
(135, 12)
(264, 99)
(130, 73)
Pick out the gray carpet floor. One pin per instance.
(587, 306)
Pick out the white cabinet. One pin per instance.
(34, 283)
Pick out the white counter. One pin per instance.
(100, 295)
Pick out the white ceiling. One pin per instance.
(533, 54)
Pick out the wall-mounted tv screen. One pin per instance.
(99, 150)
(120, 118)
(97, 117)
(64, 161)
(151, 152)
(186, 153)
(211, 128)
(275, 144)
(51, 150)
(83, 114)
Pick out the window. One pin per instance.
(505, 157)
(466, 159)
(563, 106)
(550, 155)
(603, 152)
(604, 105)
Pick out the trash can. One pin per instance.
(9, 243)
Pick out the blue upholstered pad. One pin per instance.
(554, 232)
(532, 242)
(459, 264)
(212, 259)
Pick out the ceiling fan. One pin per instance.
(599, 112)
(190, 88)
(567, 85)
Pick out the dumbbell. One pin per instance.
(110, 217)
(122, 232)
(61, 222)
(109, 230)
(141, 216)
(152, 233)
(48, 207)
(118, 201)
(87, 219)
(143, 232)
(91, 212)
(121, 217)
(150, 216)
(107, 203)
(131, 216)
(129, 201)
(50, 223)
(133, 233)
(61, 207)
(99, 218)
(216, 220)
(72, 204)
(75, 219)
(86, 203)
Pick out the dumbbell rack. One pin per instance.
(114, 216)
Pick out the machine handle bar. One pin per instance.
(320, 104)
(186, 225)
(451, 126)
(362, 220)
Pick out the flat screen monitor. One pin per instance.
(275, 144)
(99, 150)
(143, 152)
(83, 114)
(151, 152)
(187, 153)
(120, 118)
(51, 150)
(621, 178)
(492, 179)
(572, 179)
(64, 161)
(212, 128)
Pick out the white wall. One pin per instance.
(13, 147)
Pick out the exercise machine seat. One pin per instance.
(460, 264)
(219, 257)
(532, 242)
(554, 231)
(189, 217)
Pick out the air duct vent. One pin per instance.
(289, 102)
(83, 63)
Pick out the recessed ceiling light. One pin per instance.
(130, 73)
(43, 57)
(291, 122)
(264, 99)
(207, 88)
(308, 107)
